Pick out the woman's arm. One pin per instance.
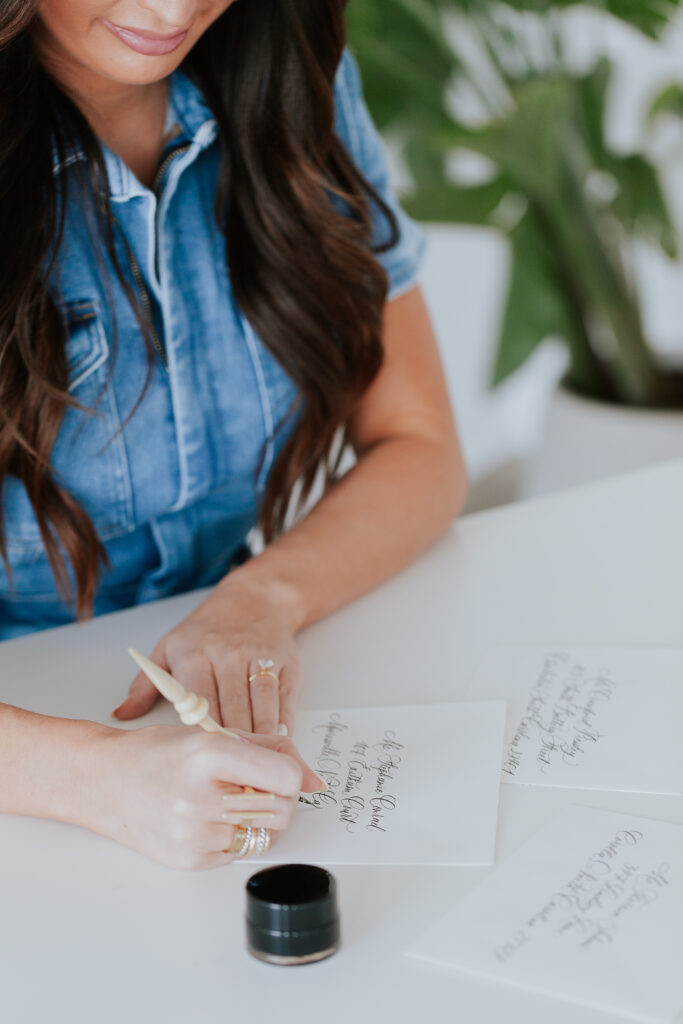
(408, 484)
(169, 792)
(47, 765)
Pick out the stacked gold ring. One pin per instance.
(249, 842)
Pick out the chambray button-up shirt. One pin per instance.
(172, 492)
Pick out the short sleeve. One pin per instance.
(356, 129)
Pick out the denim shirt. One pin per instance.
(172, 494)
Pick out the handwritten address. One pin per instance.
(613, 883)
(361, 776)
(562, 717)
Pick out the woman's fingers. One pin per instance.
(310, 782)
(289, 687)
(195, 673)
(233, 692)
(217, 855)
(255, 809)
(142, 694)
(257, 819)
(264, 691)
(278, 815)
(253, 764)
(216, 860)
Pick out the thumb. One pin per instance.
(312, 783)
(141, 697)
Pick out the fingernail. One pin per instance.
(115, 712)
(323, 785)
(282, 729)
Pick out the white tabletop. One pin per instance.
(92, 933)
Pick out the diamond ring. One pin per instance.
(265, 667)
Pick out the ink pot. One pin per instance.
(292, 914)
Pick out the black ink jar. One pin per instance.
(292, 914)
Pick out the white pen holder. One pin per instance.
(193, 710)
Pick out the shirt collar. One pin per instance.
(197, 123)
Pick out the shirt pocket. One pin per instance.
(86, 345)
(88, 457)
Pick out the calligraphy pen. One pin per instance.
(192, 709)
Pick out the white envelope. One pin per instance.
(407, 785)
(589, 910)
(589, 717)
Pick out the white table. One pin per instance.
(92, 933)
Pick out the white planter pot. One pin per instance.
(586, 440)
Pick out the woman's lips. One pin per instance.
(142, 44)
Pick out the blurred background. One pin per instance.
(540, 144)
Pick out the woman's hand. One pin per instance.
(171, 792)
(217, 648)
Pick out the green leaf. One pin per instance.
(650, 17)
(591, 109)
(527, 145)
(397, 85)
(535, 308)
(425, 162)
(550, 148)
(640, 203)
(428, 17)
(448, 202)
(405, 59)
(668, 101)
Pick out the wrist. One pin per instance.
(253, 582)
(98, 780)
(88, 770)
(47, 764)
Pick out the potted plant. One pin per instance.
(495, 79)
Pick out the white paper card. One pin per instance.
(589, 910)
(589, 718)
(407, 785)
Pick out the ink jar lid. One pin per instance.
(292, 914)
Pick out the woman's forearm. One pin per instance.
(398, 498)
(46, 765)
(152, 789)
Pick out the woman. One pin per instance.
(211, 291)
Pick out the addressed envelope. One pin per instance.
(589, 910)
(589, 718)
(407, 785)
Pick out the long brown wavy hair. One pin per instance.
(304, 273)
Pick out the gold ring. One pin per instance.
(262, 842)
(240, 840)
(264, 669)
(249, 842)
